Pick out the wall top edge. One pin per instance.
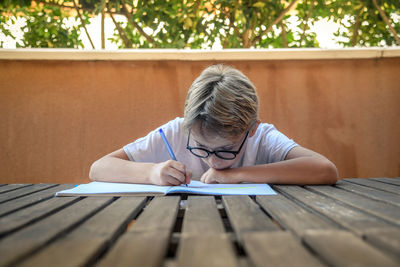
(198, 55)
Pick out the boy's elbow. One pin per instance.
(330, 173)
(93, 171)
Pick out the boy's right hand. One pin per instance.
(170, 172)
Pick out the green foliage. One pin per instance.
(44, 28)
(362, 25)
(201, 23)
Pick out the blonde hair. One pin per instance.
(222, 100)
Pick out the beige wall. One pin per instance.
(58, 116)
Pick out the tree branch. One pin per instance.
(103, 39)
(356, 27)
(284, 39)
(387, 21)
(134, 24)
(125, 39)
(249, 33)
(232, 15)
(310, 11)
(246, 38)
(83, 24)
(277, 20)
(196, 7)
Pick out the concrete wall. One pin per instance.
(58, 115)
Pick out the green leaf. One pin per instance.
(259, 5)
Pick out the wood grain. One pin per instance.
(292, 216)
(203, 234)
(387, 181)
(146, 241)
(378, 208)
(387, 240)
(345, 216)
(35, 236)
(277, 249)
(11, 187)
(30, 199)
(245, 215)
(202, 216)
(29, 215)
(340, 248)
(374, 184)
(369, 192)
(210, 250)
(85, 243)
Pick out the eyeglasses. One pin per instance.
(223, 154)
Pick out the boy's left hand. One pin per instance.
(213, 176)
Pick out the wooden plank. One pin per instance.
(388, 181)
(20, 192)
(374, 184)
(387, 239)
(239, 207)
(370, 192)
(35, 236)
(340, 248)
(24, 217)
(203, 233)
(340, 213)
(85, 243)
(292, 216)
(138, 249)
(33, 198)
(12, 187)
(202, 216)
(245, 215)
(159, 215)
(277, 249)
(148, 236)
(209, 250)
(381, 209)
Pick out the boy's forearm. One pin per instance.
(304, 170)
(110, 169)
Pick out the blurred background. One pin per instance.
(199, 24)
(80, 79)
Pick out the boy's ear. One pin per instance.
(254, 128)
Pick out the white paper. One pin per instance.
(195, 187)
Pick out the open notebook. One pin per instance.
(195, 187)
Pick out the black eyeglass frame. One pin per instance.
(215, 152)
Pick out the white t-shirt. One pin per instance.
(267, 145)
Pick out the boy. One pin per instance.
(219, 140)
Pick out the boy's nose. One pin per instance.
(213, 161)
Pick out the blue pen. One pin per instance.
(170, 152)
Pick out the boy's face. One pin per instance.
(214, 142)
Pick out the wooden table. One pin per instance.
(354, 223)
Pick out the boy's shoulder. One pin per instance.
(177, 120)
(265, 128)
(174, 124)
(174, 127)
